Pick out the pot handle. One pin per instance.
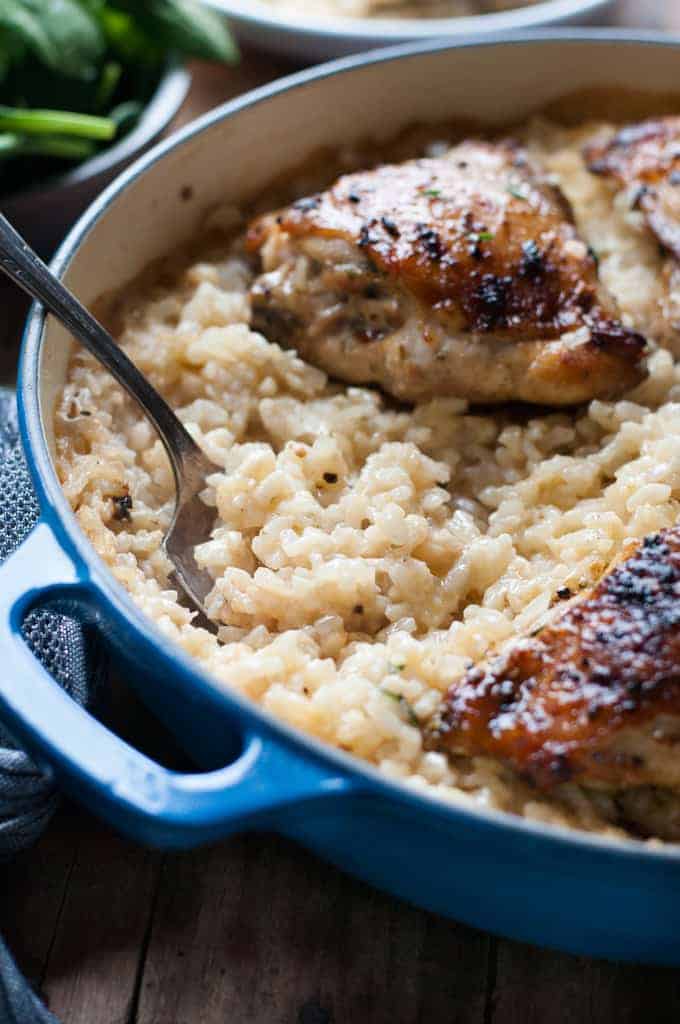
(150, 803)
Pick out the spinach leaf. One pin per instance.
(129, 41)
(76, 74)
(56, 122)
(5, 58)
(62, 34)
(62, 146)
(107, 85)
(184, 25)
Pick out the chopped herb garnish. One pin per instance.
(404, 705)
(412, 717)
(484, 236)
(433, 193)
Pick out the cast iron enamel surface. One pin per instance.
(583, 893)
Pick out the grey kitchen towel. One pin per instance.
(70, 652)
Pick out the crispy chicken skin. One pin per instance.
(645, 158)
(642, 163)
(460, 275)
(595, 696)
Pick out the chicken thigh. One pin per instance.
(642, 162)
(595, 696)
(645, 158)
(459, 275)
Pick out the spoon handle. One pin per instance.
(26, 269)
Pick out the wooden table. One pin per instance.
(257, 931)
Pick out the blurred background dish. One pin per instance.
(317, 37)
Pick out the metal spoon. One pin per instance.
(192, 520)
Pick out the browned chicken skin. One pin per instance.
(645, 158)
(643, 162)
(458, 275)
(596, 695)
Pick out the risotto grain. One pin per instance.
(398, 8)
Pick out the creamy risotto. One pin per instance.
(396, 8)
(365, 554)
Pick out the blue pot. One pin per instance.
(582, 893)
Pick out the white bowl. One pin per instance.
(313, 38)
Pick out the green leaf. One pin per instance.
(64, 147)
(95, 7)
(128, 40)
(46, 145)
(64, 62)
(56, 122)
(108, 83)
(5, 57)
(21, 29)
(60, 33)
(404, 705)
(184, 25)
